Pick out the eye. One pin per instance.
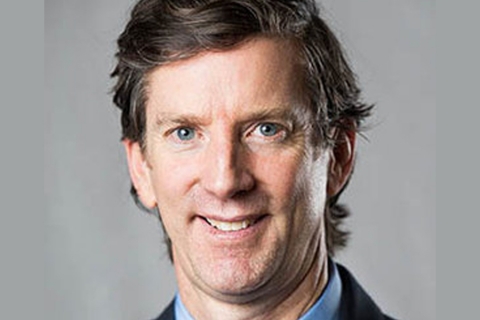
(268, 129)
(185, 133)
(268, 132)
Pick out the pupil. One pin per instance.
(185, 134)
(268, 129)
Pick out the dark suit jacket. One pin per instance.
(355, 303)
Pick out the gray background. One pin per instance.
(104, 257)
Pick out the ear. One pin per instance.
(139, 173)
(342, 157)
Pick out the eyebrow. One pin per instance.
(283, 113)
(275, 113)
(167, 118)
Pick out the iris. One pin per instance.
(268, 129)
(185, 133)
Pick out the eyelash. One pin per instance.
(280, 134)
(174, 134)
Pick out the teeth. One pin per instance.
(230, 226)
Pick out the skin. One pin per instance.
(225, 140)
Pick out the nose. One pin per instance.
(225, 172)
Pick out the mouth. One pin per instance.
(231, 226)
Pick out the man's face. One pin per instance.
(230, 163)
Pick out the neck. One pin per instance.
(286, 305)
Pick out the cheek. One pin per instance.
(281, 175)
(296, 183)
(171, 179)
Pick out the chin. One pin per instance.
(236, 278)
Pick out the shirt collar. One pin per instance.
(181, 313)
(328, 303)
(326, 307)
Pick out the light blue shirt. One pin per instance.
(326, 308)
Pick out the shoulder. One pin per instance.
(355, 302)
(167, 314)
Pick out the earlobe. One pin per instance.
(139, 173)
(342, 157)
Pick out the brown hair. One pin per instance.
(163, 31)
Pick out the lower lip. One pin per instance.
(250, 231)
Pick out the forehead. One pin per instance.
(257, 74)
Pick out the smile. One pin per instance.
(232, 225)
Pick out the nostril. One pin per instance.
(228, 184)
(242, 193)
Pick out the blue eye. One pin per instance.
(185, 133)
(268, 129)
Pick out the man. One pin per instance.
(239, 122)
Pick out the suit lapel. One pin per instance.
(356, 304)
(168, 313)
